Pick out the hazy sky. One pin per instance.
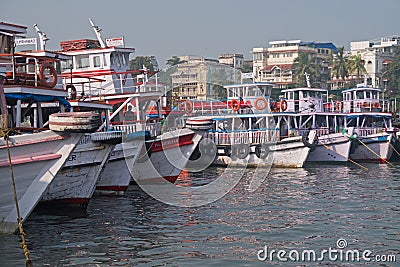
(208, 28)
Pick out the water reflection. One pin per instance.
(294, 208)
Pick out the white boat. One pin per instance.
(36, 157)
(373, 127)
(246, 133)
(308, 104)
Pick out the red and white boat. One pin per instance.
(101, 71)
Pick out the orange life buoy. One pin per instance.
(188, 106)
(377, 105)
(235, 105)
(338, 106)
(263, 104)
(71, 87)
(43, 77)
(283, 105)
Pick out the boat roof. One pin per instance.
(305, 89)
(99, 50)
(42, 54)
(8, 28)
(362, 89)
(249, 85)
(370, 114)
(91, 104)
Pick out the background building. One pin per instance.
(275, 63)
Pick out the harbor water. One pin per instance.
(310, 208)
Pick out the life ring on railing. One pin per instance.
(304, 139)
(241, 151)
(262, 151)
(263, 104)
(72, 91)
(188, 106)
(283, 105)
(42, 75)
(235, 105)
(377, 105)
(338, 106)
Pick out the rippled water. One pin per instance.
(309, 208)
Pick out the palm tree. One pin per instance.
(340, 63)
(302, 64)
(356, 65)
(175, 60)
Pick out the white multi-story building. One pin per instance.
(376, 55)
(274, 64)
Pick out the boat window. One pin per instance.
(305, 94)
(368, 95)
(374, 95)
(96, 62)
(318, 95)
(115, 60)
(105, 62)
(31, 65)
(360, 95)
(82, 61)
(66, 65)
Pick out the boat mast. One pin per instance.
(98, 34)
(42, 37)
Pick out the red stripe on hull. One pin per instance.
(31, 142)
(17, 161)
(161, 145)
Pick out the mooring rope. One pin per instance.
(350, 160)
(373, 152)
(4, 132)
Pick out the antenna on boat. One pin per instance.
(42, 37)
(307, 79)
(97, 32)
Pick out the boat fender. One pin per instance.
(72, 91)
(304, 139)
(208, 148)
(42, 76)
(262, 105)
(241, 151)
(262, 151)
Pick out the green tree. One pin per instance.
(391, 75)
(356, 66)
(302, 64)
(340, 63)
(175, 60)
(138, 62)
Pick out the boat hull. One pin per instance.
(374, 148)
(331, 148)
(36, 159)
(115, 178)
(75, 183)
(170, 153)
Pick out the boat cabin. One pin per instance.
(361, 99)
(251, 97)
(93, 70)
(303, 100)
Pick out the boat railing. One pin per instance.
(153, 128)
(30, 70)
(243, 137)
(365, 131)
